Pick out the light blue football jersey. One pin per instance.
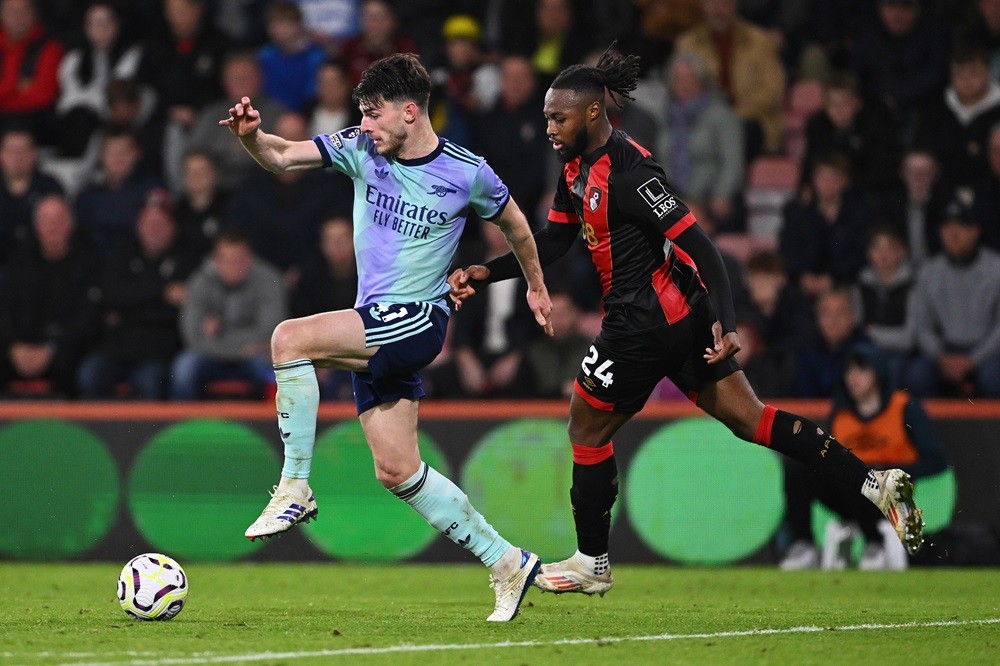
(409, 214)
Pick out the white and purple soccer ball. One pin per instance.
(152, 586)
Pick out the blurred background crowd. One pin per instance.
(845, 155)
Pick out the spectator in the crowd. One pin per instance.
(48, 316)
(658, 23)
(85, 73)
(379, 38)
(857, 128)
(183, 66)
(329, 282)
(184, 63)
(956, 125)
(982, 26)
(987, 192)
(822, 238)
(778, 316)
(290, 59)
(884, 427)
(700, 139)
(201, 203)
(556, 44)
(787, 21)
(332, 110)
(331, 22)
(241, 76)
(820, 365)
(902, 59)
(551, 363)
(243, 21)
(465, 84)
(834, 28)
(22, 185)
(142, 289)
(490, 339)
(883, 294)
(280, 213)
(917, 204)
(29, 70)
(552, 34)
(129, 104)
(233, 302)
(956, 313)
(734, 266)
(511, 136)
(107, 208)
(743, 58)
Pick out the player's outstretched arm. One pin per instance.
(269, 150)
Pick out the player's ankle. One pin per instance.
(294, 485)
(508, 563)
(593, 564)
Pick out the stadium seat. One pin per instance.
(232, 389)
(30, 389)
(771, 182)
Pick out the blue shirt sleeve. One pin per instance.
(344, 150)
(488, 195)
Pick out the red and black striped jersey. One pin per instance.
(628, 213)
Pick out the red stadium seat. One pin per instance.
(771, 182)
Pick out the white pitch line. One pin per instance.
(396, 649)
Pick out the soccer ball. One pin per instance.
(152, 587)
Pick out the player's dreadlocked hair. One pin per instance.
(614, 71)
(396, 78)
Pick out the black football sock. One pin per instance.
(595, 488)
(802, 440)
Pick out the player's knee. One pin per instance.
(583, 436)
(389, 475)
(284, 341)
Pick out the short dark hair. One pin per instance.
(765, 261)
(396, 78)
(284, 11)
(614, 71)
(969, 52)
(888, 229)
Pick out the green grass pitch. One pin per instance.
(435, 614)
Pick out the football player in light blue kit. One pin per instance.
(412, 192)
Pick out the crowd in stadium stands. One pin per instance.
(844, 154)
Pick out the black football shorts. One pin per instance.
(629, 357)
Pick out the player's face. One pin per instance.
(386, 125)
(860, 381)
(566, 126)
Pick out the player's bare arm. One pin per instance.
(269, 150)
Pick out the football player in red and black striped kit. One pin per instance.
(668, 312)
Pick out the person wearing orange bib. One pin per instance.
(883, 427)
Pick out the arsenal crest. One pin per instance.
(594, 198)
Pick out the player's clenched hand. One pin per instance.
(243, 119)
(460, 288)
(725, 345)
(541, 305)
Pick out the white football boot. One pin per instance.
(511, 589)
(570, 575)
(286, 509)
(893, 495)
